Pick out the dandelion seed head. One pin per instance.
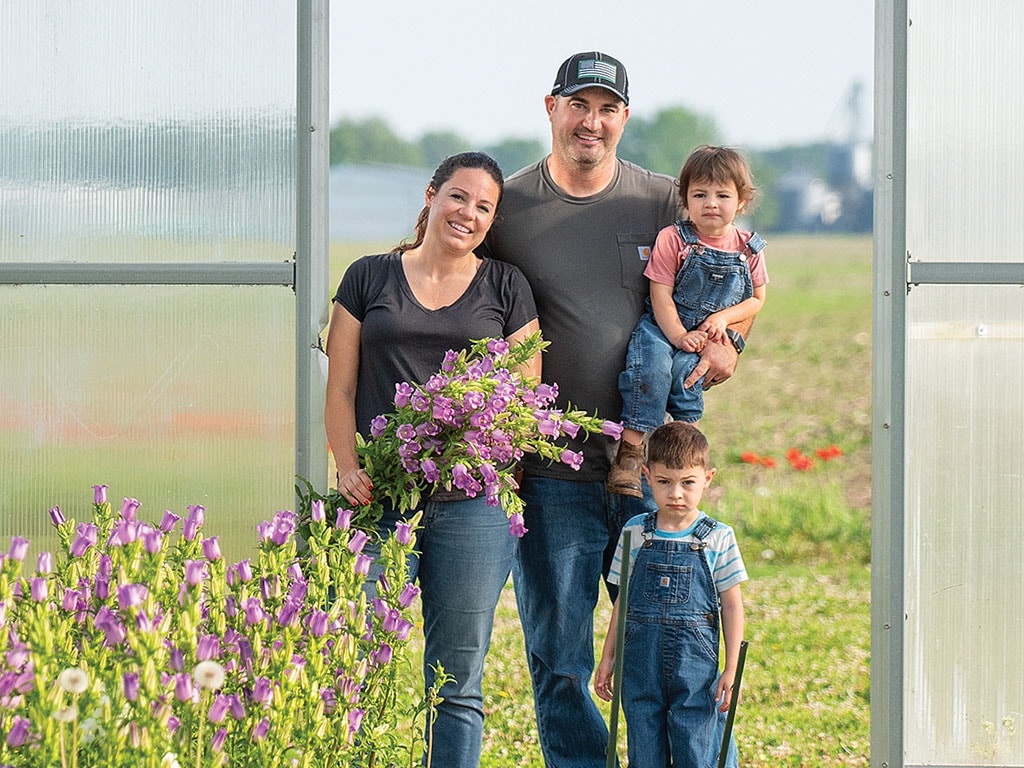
(209, 675)
(74, 680)
(66, 714)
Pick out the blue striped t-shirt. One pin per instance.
(723, 553)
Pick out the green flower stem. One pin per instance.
(204, 706)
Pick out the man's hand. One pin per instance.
(717, 364)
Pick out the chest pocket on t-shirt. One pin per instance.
(634, 253)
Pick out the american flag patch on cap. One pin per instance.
(591, 69)
(602, 70)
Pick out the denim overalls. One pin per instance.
(652, 382)
(670, 655)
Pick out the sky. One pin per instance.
(769, 72)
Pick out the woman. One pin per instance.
(395, 315)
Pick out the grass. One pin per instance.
(805, 684)
(803, 383)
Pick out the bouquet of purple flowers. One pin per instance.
(469, 425)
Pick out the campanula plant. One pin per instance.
(138, 645)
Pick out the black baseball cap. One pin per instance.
(589, 70)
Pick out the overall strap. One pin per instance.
(755, 243)
(687, 232)
(704, 527)
(650, 526)
(700, 532)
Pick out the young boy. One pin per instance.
(705, 275)
(685, 578)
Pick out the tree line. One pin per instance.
(659, 143)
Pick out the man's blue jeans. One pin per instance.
(465, 557)
(572, 532)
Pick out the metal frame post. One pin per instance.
(888, 391)
(312, 244)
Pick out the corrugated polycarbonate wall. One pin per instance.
(147, 133)
(964, 528)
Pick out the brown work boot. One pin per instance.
(624, 475)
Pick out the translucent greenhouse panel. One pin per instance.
(140, 133)
(965, 123)
(964, 582)
(147, 132)
(963, 587)
(171, 395)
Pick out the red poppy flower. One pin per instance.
(802, 463)
(827, 454)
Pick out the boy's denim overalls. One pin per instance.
(652, 382)
(670, 656)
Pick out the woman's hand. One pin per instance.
(356, 486)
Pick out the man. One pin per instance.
(580, 224)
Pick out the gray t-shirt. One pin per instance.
(401, 340)
(585, 259)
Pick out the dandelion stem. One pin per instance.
(199, 734)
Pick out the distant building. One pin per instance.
(375, 202)
(840, 202)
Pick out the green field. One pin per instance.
(804, 383)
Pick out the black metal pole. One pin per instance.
(620, 639)
(723, 754)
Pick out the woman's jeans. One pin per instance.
(465, 556)
(572, 532)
